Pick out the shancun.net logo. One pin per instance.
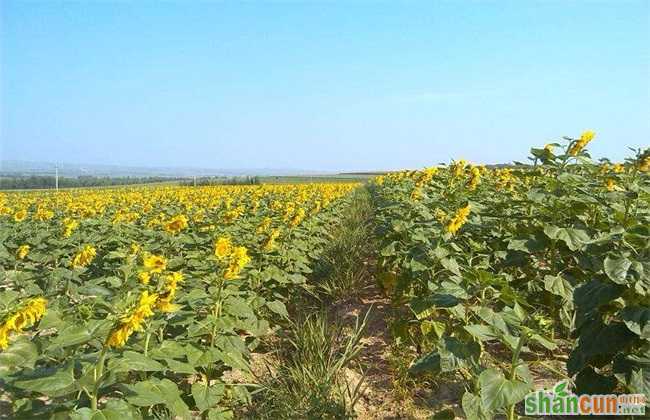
(561, 401)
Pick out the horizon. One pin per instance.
(62, 165)
(207, 172)
(330, 87)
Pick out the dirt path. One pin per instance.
(376, 352)
(377, 400)
(380, 399)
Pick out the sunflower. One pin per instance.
(84, 257)
(144, 277)
(580, 144)
(222, 248)
(133, 321)
(474, 178)
(22, 252)
(154, 263)
(20, 215)
(459, 219)
(25, 317)
(176, 224)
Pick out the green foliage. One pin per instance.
(552, 257)
(178, 363)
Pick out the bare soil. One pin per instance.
(380, 400)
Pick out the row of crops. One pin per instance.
(150, 302)
(509, 276)
(146, 302)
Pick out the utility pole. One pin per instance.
(195, 180)
(56, 177)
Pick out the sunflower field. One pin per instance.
(508, 275)
(137, 302)
(151, 302)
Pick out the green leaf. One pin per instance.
(481, 332)
(423, 307)
(113, 410)
(567, 177)
(21, 353)
(278, 307)
(238, 307)
(429, 363)
(387, 280)
(593, 335)
(75, 335)
(49, 382)
(616, 269)
(168, 349)
(180, 367)
(545, 342)
(389, 250)
(455, 354)
(417, 266)
(451, 288)
(133, 361)
(493, 319)
(86, 413)
(560, 389)
(472, 407)
(518, 245)
(427, 327)
(513, 316)
(573, 238)
(120, 410)
(498, 392)
(558, 286)
(451, 265)
(155, 391)
(637, 319)
(51, 319)
(452, 355)
(640, 381)
(95, 290)
(202, 358)
(594, 293)
(220, 414)
(207, 396)
(235, 360)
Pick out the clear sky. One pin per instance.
(336, 85)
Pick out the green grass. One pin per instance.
(341, 270)
(310, 382)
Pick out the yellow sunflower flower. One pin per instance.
(459, 219)
(25, 317)
(20, 215)
(222, 248)
(133, 321)
(84, 257)
(22, 252)
(154, 263)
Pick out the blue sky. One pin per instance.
(319, 85)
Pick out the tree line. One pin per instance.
(48, 182)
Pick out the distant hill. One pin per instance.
(17, 168)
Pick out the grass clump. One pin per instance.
(312, 381)
(341, 270)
